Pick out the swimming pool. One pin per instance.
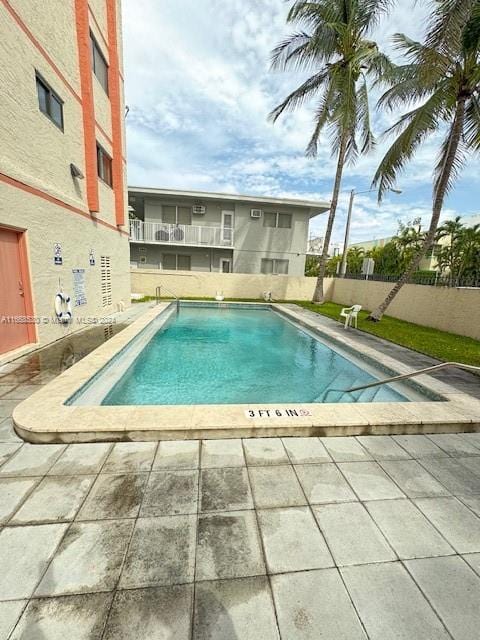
(226, 354)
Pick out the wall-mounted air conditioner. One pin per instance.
(256, 213)
(198, 209)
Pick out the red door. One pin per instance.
(14, 291)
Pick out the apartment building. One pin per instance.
(63, 240)
(199, 231)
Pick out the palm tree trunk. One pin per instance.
(318, 295)
(439, 196)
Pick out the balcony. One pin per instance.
(186, 235)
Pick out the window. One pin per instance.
(274, 266)
(104, 165)
(99, 64)
(49, 102)
(276, 219)
(176, 262)
(106, 280)
(284, 220)
(176, 215)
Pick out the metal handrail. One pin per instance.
(467, 367)
(158, 295)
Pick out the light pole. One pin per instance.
(353, 193)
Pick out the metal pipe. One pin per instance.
(468, 367)
(343, 265)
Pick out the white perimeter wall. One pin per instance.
(454, 310)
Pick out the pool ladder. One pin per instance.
(158, 296)
(403, 376)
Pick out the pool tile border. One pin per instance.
(45, 418)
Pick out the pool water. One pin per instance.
(239, 356)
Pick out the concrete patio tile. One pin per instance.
(407, 529)
(89, 558)
(12, 492)
(80, 617)
(81, 459)
(263, 451)
(455, 522)
(159, 612)
(223, 453)
(473, 502)
(7, 407)
(453, 590)
(21, 392)
(419, 446)
(369, 481)
(130, 457)
(170, 493)
(351, 534)
(305, 450)
(390, 604)
(312, 603)
(177, 454)
(226, 489)
(24, 556)
(228, 546)
(453, 475)
(7, 449)
(275, 486)
(383, 448)
(472, 438)
(32, 460)
(9, 614)
(345, 449)
(161, 553)
(54, 500)
(114, 496)
(471, 463)
(234, 610)
(412, 478)
(473, 560)
(324, 483)
(454, 444)
(292, 541)
(7, 433)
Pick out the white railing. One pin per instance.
(180, 234)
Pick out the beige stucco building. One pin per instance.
(62, 168)
(224, 233)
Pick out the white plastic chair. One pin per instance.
(350, 313)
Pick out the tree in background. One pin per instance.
(332, 42)
(443, 74)
(459, 257)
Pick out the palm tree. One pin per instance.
(332, 44)
(443, 73)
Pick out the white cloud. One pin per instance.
(199, 90)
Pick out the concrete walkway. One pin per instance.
(339, 538)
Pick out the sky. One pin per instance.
(199, 89)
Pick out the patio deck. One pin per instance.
(295, 538)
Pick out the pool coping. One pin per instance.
(44, 417)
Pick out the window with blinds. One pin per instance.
(106, 276)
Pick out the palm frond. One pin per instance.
(414, 126)
(447, 23)
(472, 124)
(451, 159)
(366, 136)
(300, 95)
(321, 118)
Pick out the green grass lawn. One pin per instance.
(437, 344)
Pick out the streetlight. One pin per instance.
(353, 193)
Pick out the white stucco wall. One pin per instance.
(233, 285)
(453, 310)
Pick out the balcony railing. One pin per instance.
(180, 234)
